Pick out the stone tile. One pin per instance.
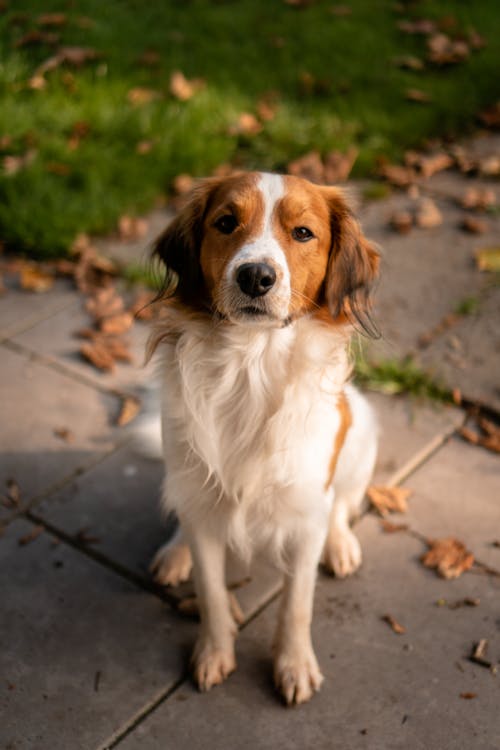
(457, 494)
(36, 400)
(83, 648)
(20, 310)
(382, 691)
(56, 338)
(135, 251)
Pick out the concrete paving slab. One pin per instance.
(36, 401)
(83, 649)
(382, 691)
(56, 338)
(136, 251)
(458, 494)
(20, 309)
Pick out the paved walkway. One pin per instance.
(94, 657)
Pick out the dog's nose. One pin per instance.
(255, 279)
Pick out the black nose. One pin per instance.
(255, 279)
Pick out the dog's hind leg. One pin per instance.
(172, 563)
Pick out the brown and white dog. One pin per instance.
(266, 446)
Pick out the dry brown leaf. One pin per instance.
(394, 624)
(419, 26)
(149, 59)
(183, 89)
(13, 492)
(116, 324)
(417, 95)
(489, 437)
(448, 556)
(98, 355)
(84, 537)
(75, 56)
(37, 37)
(488, 259)
(129, 410)
(480, 199)
(64, 433)
(474, 225)
(427, 214)
(308, 166)
(104, 303)
(408, 62)
(468, 696)
(33, 279)
(479, 653)
(446, 322)
(52, 19)
(118, 349)
(13, 164)
(398, 175)
(489, 166)
(338, 166)
(389, 499)
(393, 528)
(401, 221)
(428, 164)
(132, 227)
(144, 147)
(491, 116)
(183, 183)
(30, 536)
(139, 96)
(445, 51)
(267, 107)
(247, 124)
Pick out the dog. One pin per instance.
(268, 448)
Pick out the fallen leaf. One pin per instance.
(183, 89)
(445, 51)
(30, 536)
(98, 355)
(491, 116)
(428, 164)
(116, 324)
(267, 107)
(64, 434)
(393, 528)
(84, 537)
(478, 654)
(132, 227)
(52, 19)
(420, 26)
(401, 221)
(33, 279)
(247, 124)
(408, 62)
(475, 40)
(394, 624)
(308, 166)
(149, 58)
(489, 166)
(449, 556)
(13, 164)
(427, 214)
(417, 95)
(480, 199)
(129, 409)
(473, 225)
(138, 96)
(488, 259)
(183, 183)
(389, 499)
(468, 696)
(13, 493)
(58, 168)
(338, 166)
(37, 37)
(104, 303)
(446, 322)
(398, 175)
(144, 147)
(75, 56)
(143, 308)
(79, 130)
(458, 603)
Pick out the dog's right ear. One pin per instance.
(179, 246)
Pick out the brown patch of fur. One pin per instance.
(345, 423)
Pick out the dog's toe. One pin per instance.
(172, 564)
(342, 555)
(212, 664)
(297, 677)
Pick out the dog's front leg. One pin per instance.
(213, 657)
(296, 671)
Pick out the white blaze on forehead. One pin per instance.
(265, 245)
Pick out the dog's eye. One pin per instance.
(302, 234)
(226, 224)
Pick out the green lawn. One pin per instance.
(333, 78)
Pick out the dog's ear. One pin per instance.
(352, 267)
(179, 246)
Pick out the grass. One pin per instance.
(332, 77)
(400, 377)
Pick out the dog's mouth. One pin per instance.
(253, 311)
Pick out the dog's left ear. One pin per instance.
(352, 267)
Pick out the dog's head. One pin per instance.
(263, 249)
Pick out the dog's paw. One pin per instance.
(342, 553)
(297, 676)
(212, 663)
(172, 564)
